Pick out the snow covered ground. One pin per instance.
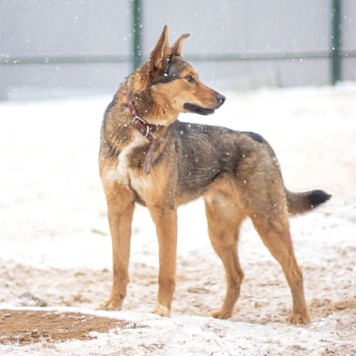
(55, 248)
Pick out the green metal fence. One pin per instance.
(336, 42)
(334, 55)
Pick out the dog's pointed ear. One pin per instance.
(177, 48)
(159, 53)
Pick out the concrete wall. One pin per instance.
(103, 28)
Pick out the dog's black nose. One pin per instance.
(220, 98)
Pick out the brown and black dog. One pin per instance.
(150, 158)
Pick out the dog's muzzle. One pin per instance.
(196, 109)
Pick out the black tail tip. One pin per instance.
(317, 197)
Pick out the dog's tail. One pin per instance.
(299, 203)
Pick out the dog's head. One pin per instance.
(175, 83)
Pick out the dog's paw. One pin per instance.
(161, 310)
(109, 305)
(299, 319)
(220, 314)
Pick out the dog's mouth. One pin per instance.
(196, 109)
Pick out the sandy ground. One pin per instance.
(55, 257)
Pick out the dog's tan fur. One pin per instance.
(236, 173)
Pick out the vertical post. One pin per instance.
(336, 41)
(136, 33)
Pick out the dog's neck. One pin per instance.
(145, 129)
(138, 122)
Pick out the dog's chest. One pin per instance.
(129, 171)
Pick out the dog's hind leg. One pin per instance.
(273, 227)
(224, 220)
(120, 202)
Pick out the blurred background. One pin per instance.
(52, 48)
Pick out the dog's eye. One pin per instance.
(190, 78)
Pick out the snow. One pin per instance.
(53, 216)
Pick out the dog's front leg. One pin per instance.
(120, 202)
(166, 227)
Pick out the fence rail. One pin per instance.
(241, 56)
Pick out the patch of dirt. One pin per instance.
(30, 326)
(322, 307)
